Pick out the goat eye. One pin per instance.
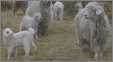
(7, 32)
(86, 16)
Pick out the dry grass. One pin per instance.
(59, 44)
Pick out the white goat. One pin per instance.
(78, 6)
(22, 38)
(31, 22)
(59, 10)
(92, 28)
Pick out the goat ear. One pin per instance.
(98, 12)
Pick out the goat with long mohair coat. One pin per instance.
(92, 26)
(58, 10)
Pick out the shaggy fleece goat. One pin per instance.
(59, 10)
(78, 6)
(92, 24)
(22, 38)
(31, 22)
(41, 7)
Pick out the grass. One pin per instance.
(58, 44)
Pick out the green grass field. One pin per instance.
(60, 43)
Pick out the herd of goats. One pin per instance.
(92, 25)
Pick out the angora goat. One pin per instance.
(92, 25)
(31, 22)
(59, 10)
(41, 7)
(78, 6)
(22, 38)
(33, 7)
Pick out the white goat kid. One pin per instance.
(22, 38)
